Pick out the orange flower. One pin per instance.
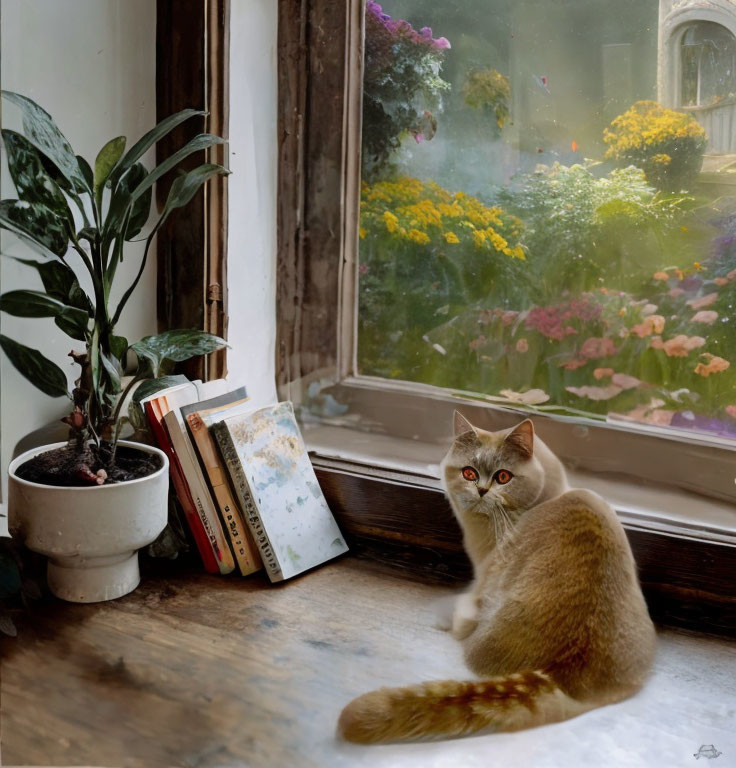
(713, 364)
(651, 324)
(703, 301)
(660, 276)
(721, 281)
(707, 316)
(522, 345)
(679, 346)
(602, 373)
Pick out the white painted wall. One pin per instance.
(252, 195)
(92, 65)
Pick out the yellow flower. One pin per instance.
(417, 237)
(479, 237)
(451, 237)
(361, 232)
(661, 159)
(391, 222)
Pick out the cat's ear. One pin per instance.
(521, 438)
(461, 425)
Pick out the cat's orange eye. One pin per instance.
(503, 476)
(470, 474)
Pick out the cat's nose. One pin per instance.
(482, 491)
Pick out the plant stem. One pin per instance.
(130, 290)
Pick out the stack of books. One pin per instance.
(243, 479)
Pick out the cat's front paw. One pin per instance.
(443, 608)
(465, 618)
(462, 627)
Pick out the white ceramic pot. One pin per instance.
(91, 535)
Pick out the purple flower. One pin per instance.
(426, 33)
(442, 43)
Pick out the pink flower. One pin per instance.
(522, 345)
(660, 276)
(731, 411)
(625, 381)
(573, 364)
(675, 292)
(485, 316)
(706, 316)
(508, 317)
(442, 43)
(602, 373)
(596, 393)
(598, 347)
(721, 281)
(703, 301)
(476, 343)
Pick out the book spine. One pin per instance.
(247, 502)
(233, 522)
(200, 493)
(199, 534)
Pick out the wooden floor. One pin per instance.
(205, 671)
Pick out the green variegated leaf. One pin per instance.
(39, 370)
(24, 303)
(197, 144)
(151, 386)
(175, 346)
(119, 347)
(120, 201)
(139, 214)
(74, 324)
(60, 282)
(106, 160)
(87, 175)
(113, 370)
(30, 178)
(136, 152)
(37, 225)
(40, 128)
(186, 186)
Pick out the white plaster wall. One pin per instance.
(91, 64)
(252, 196)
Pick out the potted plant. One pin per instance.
(90, 503)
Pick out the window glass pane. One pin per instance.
(535, 224)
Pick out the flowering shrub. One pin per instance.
(401, 85)
(426, 253)
(490, 91)
(667, 145)
(580, 226)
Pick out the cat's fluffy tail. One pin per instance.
(449, 708)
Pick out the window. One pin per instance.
(532, 224)
(368, 345)
(708, 65)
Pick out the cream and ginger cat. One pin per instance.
(554, 623)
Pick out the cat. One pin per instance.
(554, 623)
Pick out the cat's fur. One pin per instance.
(554, 622)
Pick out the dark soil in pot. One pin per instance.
(67, 467)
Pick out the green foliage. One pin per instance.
(490, 91)
(113, 204)
(402, 86)
(667, 145)
(581, 228)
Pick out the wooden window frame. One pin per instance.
(192, 70)
(393, 515)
